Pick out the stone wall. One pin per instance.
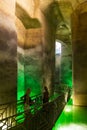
(79, 37)
(8, 52)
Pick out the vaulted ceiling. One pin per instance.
(29, 14)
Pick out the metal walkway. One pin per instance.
(39, 117)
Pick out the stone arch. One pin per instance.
(26, 19)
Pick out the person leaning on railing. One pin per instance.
(45, 99)
(45, 95)
(27, 100)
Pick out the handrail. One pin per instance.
(35, 108)
(6, 120)
(13, 121)
(20, 100)
(11, 106)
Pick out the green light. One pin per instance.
(20, 83)
(26, 81)
(33, 83)
(66, 77)
(72, 118)
(73, 127)
(68, 108)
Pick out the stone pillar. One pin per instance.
(21, 31)
(49, 58)
(33, 61)
(79, 42)
(8, 54)
(30, 43)
(49, 17)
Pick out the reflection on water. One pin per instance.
(73, 127)
(72, 118)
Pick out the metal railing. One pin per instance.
(13, 113)
(11, 108)
(7, 110)
(39, 116)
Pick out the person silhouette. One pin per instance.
(45, 95)
(27, 100)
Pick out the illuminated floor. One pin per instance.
(72, 118)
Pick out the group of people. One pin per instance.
(27, 99)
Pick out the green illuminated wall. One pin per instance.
(29, 72)
(66, 64)
(20, 83)
(33, 70)
(66, 71)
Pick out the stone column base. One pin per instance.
(80, 99)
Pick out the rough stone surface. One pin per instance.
(8, 53)
(80, 54)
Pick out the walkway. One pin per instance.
(42, 117)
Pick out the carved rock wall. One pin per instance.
(8, 52)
